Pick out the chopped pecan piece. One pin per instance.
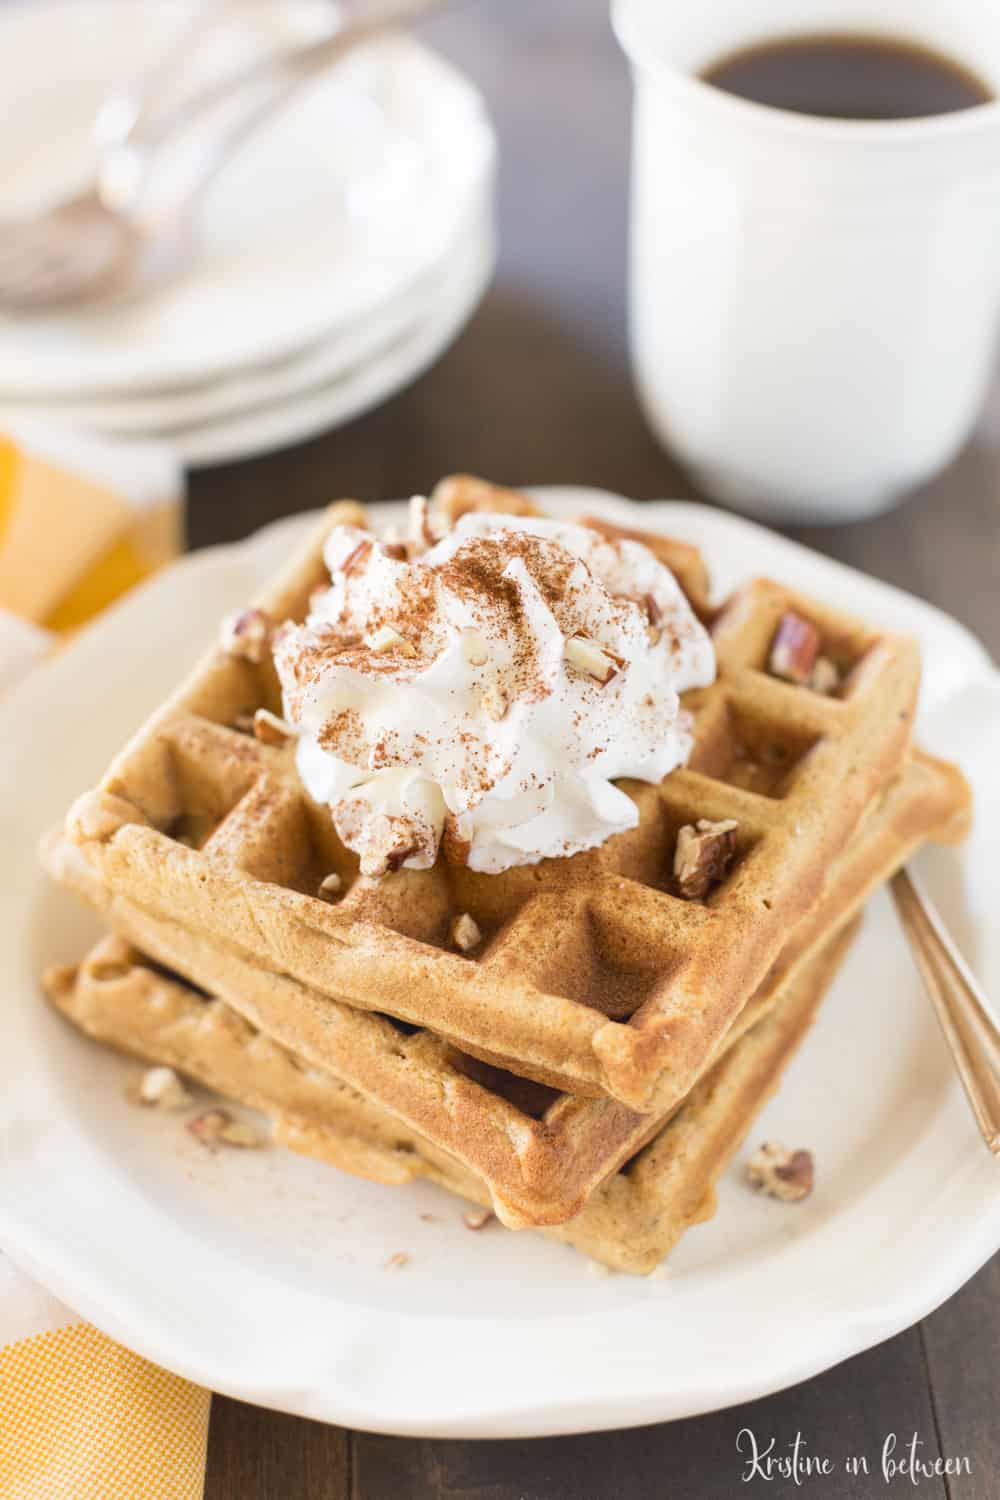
(465, 933)
(208, 1126)
(593, 659)
(247, 635)
(390, 842)
(214, 1127)
(495, 702)
(375, 862)
(474, 648)
(702, 856)
(397, 857)
(387, 638)
(654, 615)
(270, 729)
(781, 1173)
(824, 677)
(794, 649)
(161, 1088)
(652, 611)
(357, 556)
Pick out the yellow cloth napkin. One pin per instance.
(81, 521)
(81, 1417)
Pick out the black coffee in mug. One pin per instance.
(849, 77)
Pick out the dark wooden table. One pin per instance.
(537, 390)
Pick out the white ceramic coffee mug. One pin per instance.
(814, 302)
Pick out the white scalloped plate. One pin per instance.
(262, 1274)
(318, 364)
(303, 402)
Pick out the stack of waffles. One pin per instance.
(579, 1045)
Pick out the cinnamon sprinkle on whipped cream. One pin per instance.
(501, 678)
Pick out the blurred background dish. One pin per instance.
(318, 362)
(328, 383)
(337, 233)
(290, 418)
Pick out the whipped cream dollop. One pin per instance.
(488, 688)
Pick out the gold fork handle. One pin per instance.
(969, 1026)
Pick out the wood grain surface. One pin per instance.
(537, 390)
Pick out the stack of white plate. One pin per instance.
(341, 252)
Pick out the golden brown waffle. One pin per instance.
(631, 1223)
(594, 976)
(540, 1153)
